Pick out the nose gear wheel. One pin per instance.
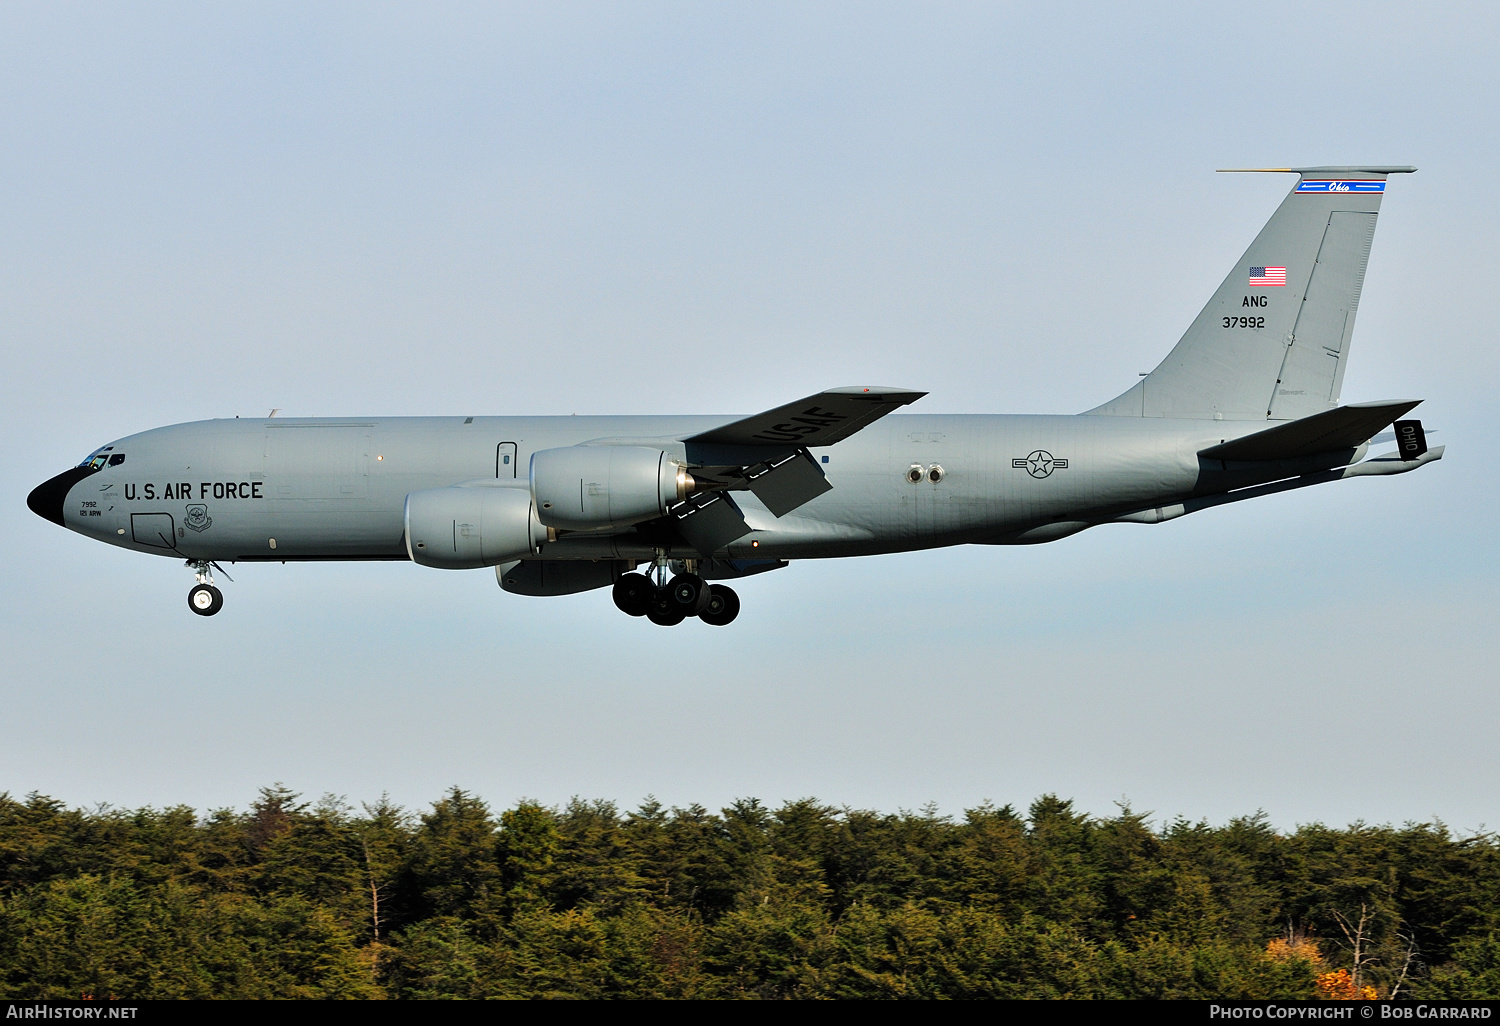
(205, 600)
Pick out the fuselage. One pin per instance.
(335, 488)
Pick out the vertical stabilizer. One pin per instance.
(1273, 341)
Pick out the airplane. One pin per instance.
(1245, 405)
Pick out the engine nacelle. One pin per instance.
(593, 487)
(462, 528)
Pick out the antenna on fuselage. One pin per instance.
(274, 410)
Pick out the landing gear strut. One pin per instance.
(204, 599)
(668, 602)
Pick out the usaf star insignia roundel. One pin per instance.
(1040, 463)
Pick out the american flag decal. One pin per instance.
(1268, 276)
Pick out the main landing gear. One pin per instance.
(669, 602)
(205, 599)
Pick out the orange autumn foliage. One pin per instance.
(1339, 986)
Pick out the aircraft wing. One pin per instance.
(767, 454)
(1341, 428)
(821, 419)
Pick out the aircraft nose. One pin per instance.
(46, 499)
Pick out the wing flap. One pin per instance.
(789, 482)
(709, 521)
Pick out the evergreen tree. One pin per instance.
(298, 900)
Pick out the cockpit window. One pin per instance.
(116, 459)
(99, 458)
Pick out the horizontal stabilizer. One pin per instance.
(1380, 466)
(1344, 428)
(821, 419)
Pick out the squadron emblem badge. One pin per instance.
(197, 518)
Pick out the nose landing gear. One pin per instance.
(205, 599)
(669, 602)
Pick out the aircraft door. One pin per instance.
(154, 529)
(505, 460)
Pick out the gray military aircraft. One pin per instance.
(1245, 405)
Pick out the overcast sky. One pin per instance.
(362, 209)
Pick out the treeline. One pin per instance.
(299, 900)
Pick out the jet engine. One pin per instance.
(593, 487)
(461, 528)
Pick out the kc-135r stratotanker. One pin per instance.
(1246, 404)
